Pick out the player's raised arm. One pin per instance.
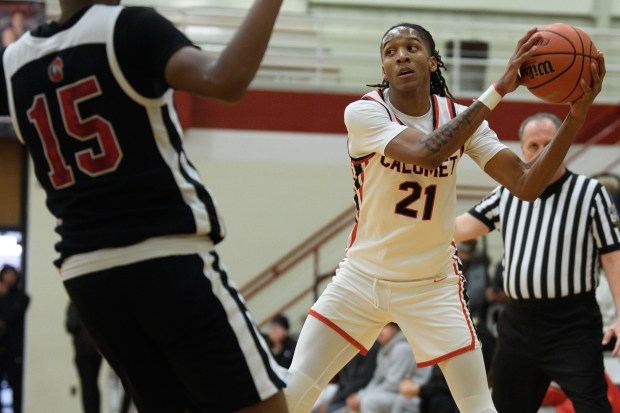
(527, 180)
(430, 150)
(227, 77)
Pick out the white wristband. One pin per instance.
(490, 98)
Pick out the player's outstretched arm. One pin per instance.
(227, 77)
(429, 151)
(528, 180)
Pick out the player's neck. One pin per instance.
(410, 103)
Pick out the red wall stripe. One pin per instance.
(314, 112)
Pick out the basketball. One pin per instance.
(563, 57)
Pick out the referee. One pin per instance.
(551, 327)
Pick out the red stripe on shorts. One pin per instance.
(340, 331)
(446, 356)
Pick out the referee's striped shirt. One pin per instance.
(552, 246)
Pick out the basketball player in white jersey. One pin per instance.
(405, 141)
(91, 96)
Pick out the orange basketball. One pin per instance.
(563, 57)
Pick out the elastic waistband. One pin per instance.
(103, 259)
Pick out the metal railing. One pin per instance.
(315, 274)
(340, 52)
(308, 249)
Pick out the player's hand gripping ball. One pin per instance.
(562, 58)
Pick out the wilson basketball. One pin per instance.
(563, 57)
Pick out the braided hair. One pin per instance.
(438, 83)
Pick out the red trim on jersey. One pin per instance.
(360, 191)
(466, 314)
(365, 159)
(353, 236)
(470, 346)
(360, 198)
(436, 107)
(454, 260)
(455, 267)
(450, 108)
(382, 104)
(340, 331)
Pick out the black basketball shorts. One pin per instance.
(178, 334)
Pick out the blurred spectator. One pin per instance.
(282, 344)
(475, 269)
(394, 361)
(354, 376)
(13, 304)
(434, 395)
(8, 36)
(15, 29)
(18, 23)
(418, 377)
(495, 293)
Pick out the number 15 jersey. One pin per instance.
(90, 101)
(404, 213)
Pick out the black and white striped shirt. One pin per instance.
(552, 246)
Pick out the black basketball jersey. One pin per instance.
(103, 132)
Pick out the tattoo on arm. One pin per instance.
(441, 136)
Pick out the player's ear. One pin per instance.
(432, 63)
(383, 72)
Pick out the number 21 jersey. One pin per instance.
(404, 213)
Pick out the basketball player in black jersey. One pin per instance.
(90, 95)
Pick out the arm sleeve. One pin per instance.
(606, 224)
(144, 41)
(370, 128)
(16, 309)
(487, 211)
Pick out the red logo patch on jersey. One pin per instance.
(54, 70)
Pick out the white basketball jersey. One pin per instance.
(405, 213)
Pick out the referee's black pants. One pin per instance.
(544, 340)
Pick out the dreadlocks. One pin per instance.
(438, 83)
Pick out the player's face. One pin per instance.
(406, 58)
(537, 135)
